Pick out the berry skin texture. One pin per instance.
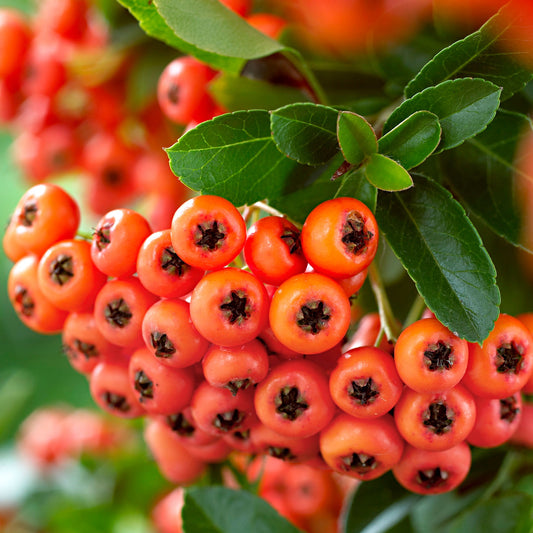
(229, 307)
(365, 382)
(289, 449)
(496, 420)
(117, 238)
(159, 389)
(170, 335)
(236, 367)
(435, 421)
(29, 302)
(429, 357)
(527, 320)
(217, 411)
(362, 448)
(110, 388)
(182, 91)
(272, 250)
(523, 435)
(352, 284)
(184, 427)
(208, 232)
(429, 472)
(504, 363)
(43, 216)
(12, 248)
(68, 277)
(174, 461)
(162, 271)
(340, 237)
(310, 313)
(294, 399)
(83, 343)
(119, 310)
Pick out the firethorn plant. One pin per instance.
(295, 286)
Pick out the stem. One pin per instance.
(415, 312)
(385, 114)
(379, 338)
(269, 209)
(386, 316)
(273, 211)
(84, 235)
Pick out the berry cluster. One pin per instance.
(309, 497)
(64, 98)
(228, 337)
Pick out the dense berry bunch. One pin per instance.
(231, 335)
(65, 96)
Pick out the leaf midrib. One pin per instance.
(442, 271)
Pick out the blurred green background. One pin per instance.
(33, 369)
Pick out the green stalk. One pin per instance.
(386, 316)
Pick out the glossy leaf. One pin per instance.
(306, 132)
(464, 108)
(413, 140)
(308, 187)
(434, 512)
(209, 25)
(442, 252)
(356, 137)
(483, 172)
(386, 174)
(483, 54)
(155, 26)
(222, 510)
(378, 505)
(509, 513)
(233, 156)
(355, 184)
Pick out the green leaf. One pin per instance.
(209, 25)
(509, 513)
(464, 107)
(442, 252)
(232, 156)
(483, 172)
(308, 187)
(209, 31)
(413, 140)
(155, 26)
(238, 92)
(378, 505)
(222, 510)
(386, 174)
(356, 137)
(305, 132)
(434, 512)
(479, 55)
(355, 184)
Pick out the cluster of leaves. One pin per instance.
(427, 146)
(449, 130)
